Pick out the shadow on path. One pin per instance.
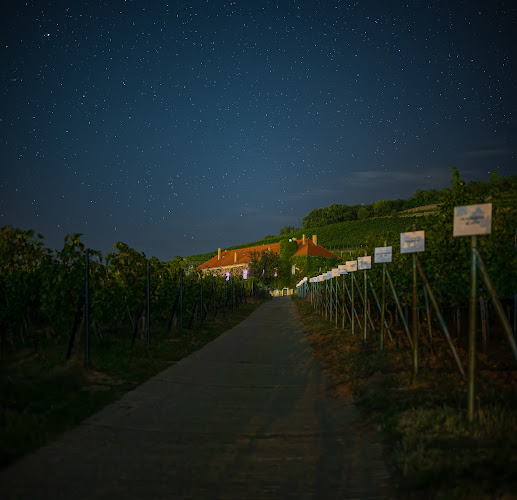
(246, 417)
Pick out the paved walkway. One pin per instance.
(246, 417)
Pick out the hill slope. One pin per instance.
(335, 236)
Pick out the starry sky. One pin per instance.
(180, 127)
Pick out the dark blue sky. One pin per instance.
(181, 127)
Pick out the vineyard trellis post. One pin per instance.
(474, 220)
(472, 327)
(201, 302)
(148, 310)
(439, 315)
(375, 296)
(87, 311)
(414, 318)
(365, 326)
(213, 295)
(428, 312)
(181, 301)
(353, 304)
(413, 242)
(383, 305)
(496, 303)
(399, 308)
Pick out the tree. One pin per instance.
(363, 213)
(287, 230)
(381, 207)
(264, 266)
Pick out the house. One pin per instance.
(236, 262)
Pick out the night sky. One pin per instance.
(185, 126)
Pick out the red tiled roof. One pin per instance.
(244, 254)
(313, 250)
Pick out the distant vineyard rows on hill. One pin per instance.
(341, 226)
(339, 235)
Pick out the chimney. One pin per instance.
(315, 239)
(303, 239)
(218, 254)
(234, 257)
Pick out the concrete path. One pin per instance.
(246, 417)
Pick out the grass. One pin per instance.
(431, 449)
(43, 394)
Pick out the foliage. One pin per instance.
(337, 213)
(431, 449)
(286, 230)
(363, 213)
(264, 266)
(287, 248)
(42, 293)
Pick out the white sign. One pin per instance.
(351, 266)
(335, 272)
(342, 269)
(383, 254)
(412, 242)
(245, 274)
(364, 263)
(472, 220)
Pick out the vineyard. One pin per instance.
(43, 294)
(123, 317)
(432, 360)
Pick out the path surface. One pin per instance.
(249, 416)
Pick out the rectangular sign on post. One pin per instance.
(342, 269)
(351, 266)
(335, 272)
(472, 220)
(383, 254)
(412, 242)
(364, 262)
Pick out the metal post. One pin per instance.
(231, 292)
(353, 307)
(213, 295)
(148, 310)
(428, 311)
(365, 326)
(354, 312)
(439, 315)
(379, 308)
(383, 304)
(497, 305)
(515, 317)
(415, 321)
(201, 303)
(362, 300)
(399, 308)
(87, 311)
(343, 306)
(181, 302)
(472, 327)
(336, 296)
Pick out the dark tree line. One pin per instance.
(342, 212)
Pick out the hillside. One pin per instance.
(341, 235)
